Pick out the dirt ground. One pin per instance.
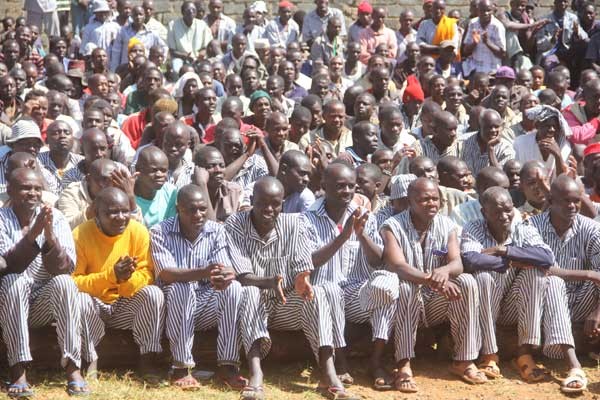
(296, 381)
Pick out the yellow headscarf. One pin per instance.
(132, 42)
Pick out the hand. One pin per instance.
(498, 251)
(476, 37)
(277, 286)
(122, 180)
(550, 146)
(485, 38)
(520, 265)
(575, 29)
(252, 142)
(48, 219)
(572, 164)
(30, 106)
(303, 286)
(400, 76)
(201, 176)
(90, 212)
(438, 279)
(124, 268)
(557, 35)
(360, 222)
(408, 152)
(221, 276)
(539, 25)
(451, 291)
(591, 326)
(492, 143)
(35, 230)
(542, 182)
(474, 95)
(349, 225)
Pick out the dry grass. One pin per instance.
(295, 381)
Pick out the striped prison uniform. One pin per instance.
(578, 249)
(57, 174)
(285, 252)
(419, 305)
(476, 160)
(471, 211)
(508, 295)
(134, 304)
(196, 305)
(350, 269)
(35, 297)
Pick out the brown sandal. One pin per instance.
(187, 382)
(529, 371)
(466, 374)
(490, 367)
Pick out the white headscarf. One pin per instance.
(179, 85)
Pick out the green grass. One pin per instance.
(297, 381)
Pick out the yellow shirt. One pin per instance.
(97, 254)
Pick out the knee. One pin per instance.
(557, 286)
(405, 290)
(13, 284)
(152, 295)
(467, 284)
(331, 291)
(64, 284)
(179, 292)
(250, 294)
(86, 303)
(234, 289)
(484, 280)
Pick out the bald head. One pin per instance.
(267, 187)
(292, 159)
(420, 185)
(189, 193)
(110, 196)
(101, 168)
(336, 170)
(562, 185)
(20, 159)
(149, 155)
(494, 195)
(491, 176)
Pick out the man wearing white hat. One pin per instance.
(100, 30)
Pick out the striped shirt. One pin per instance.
(284, 251)
(254, 168)
(49, 180)
(476, 236)
(349, 264)
(434, 254)
(425, 147)
(11, 233)
(476, 160)
(170, 249)
(578, 249)
(183, 175)
(56, 173)
(471, 211)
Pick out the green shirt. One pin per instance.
(161, 207)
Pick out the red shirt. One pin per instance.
(209, 136)
(133, 127)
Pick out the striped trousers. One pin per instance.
(422, 306)
(260, 311)
(194, 306)
(582, 299)
(24, 304)
(373, 301)
(535, 302)
(143, 313)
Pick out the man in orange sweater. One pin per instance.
(117, 273)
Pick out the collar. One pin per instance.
(175, 227)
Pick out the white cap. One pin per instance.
(259, 6)
(24, 129)
(100, 6)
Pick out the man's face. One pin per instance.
(538, 78)
(299, 126)
(250, 82)
(113, 217)
(40, 111)
(24, 36)
(153, 171)
(95, 148)
(485, 10)
(60, 49)
(365, 184)
(413, 52)
(491, 126)
(101, 86)
(335, 117)
(353, 51)
(425, 66)
(391, 128)
(278, 130)
(446, 133)
(285, 14)
(406, 21)
(138, 16)
(28, 145)
(530, 186)
(262, 107)
(56, 106)
(148, 7)
(298, 176)
(322, 5)
(8, 88)
(453, 97)
(215, 7)
(364, 18)
(380, 81)
(320, 87)
(11, 52)
(59, 137)
(499, 100)
(368, 140)
(513, 176)
(189, 13)
(93, 119)
(124, 8)
(364, 107)
(234, 87)
(102, 16)
(152, 80)
(190, 88)
(239, 45)
(232, 147)
(499, 213)
(26, 192)
(20, 80)
(274, 88)
(561, 5)
(215, 165)
(340, 187)
(437, 87)
(378, 17)
(547, 129)
(207, 101)
(266, 208)
(517, 7)
(99, 59)
(192, 213)
(425, 202)
(438, 11)
(175, 144)
(459, 177)
(218, 70)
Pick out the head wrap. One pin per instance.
(258, 94)
(365, 8)
(542, 112)
(132, 42)
(179, 85)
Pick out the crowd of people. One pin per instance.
(283, 172)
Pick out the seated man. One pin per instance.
(76, 201)
(117, 273)
(333, 131)
(60, 158)
(575, 241)
(153, 194)
(346, 251)
(36, 290)
(422, 247)
(271, 256)
(294, 174)
(369, 183)
(94, 146)
(175, 144)
(191, 262)
(485, 148)
(443, 141)
(398, 200)
(495, 250)
(25, 160)
(224, 197)
(364, 144)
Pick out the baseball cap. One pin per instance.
(505, 72)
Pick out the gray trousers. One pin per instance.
(47, 22)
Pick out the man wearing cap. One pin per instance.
(135, 29)
(316, 21)
(446, 64)
(363, 20)
(435, 30)
(283, 30)
(187, 36)
(375, 35)
(101, 31)
(485, 42)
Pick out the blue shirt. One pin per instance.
(161, 207)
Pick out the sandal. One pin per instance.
(346, 379)
(78, 388)
(529, 371)
(405, 383)
(25, 390)
(187, 382)
(252, 393)
(490, 367)
(470, 374)
(336, 393)
(574, 375)
(381, 380)
(234, 381)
